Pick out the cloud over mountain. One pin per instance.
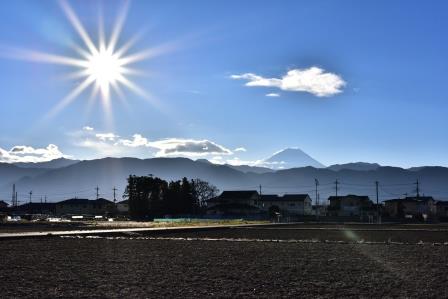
(114, 145)
(23, 153)
(313, 80)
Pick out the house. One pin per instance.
(350, 205)
(46, 208)
(123, 207)
(3, 205)
(83, 206)
(250, 202)
(297, 204)
(442, 210)
(234, 202)
(410, 206)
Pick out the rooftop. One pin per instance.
(411, 199)
(286, 197)
(238, 194)
(80, 201)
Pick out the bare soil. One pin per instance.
(128, 267)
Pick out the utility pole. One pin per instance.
(316, 182)
(97, 192)
(377, 204)
(115, 189)
(418, 188)
(13, 200)
(31, 193)
(336, 186)
(45, 199)
(17, 199)
(260, 189)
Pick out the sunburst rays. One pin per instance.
(104, 65)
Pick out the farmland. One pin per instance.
(275, 261)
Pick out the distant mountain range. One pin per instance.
(361, 166)
(53, 164)
(79, 178)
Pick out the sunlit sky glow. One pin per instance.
(229, 81)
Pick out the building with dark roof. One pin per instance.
(123, 207)
(251, 202)
(295, 204)
(442, 210)
(3, 205)
(44, 208)
(411, 206)
(83, 206)
(235, 202)
(350, 205)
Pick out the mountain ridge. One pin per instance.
(81, 178)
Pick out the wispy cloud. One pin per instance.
(273, 94)
(313, 80)
(240, 149)
(23, 153)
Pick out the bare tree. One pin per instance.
(203, 191)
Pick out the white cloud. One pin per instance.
(273, 94)
(240, 149)
(112, 144)
(23, 153)
(87, 128)
(136, 141)
(106, 136)
(313, 80)
(189, 147)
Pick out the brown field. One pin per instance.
(337, 261)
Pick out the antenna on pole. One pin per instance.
(31, 193)
(97, 192)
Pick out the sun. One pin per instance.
(103, 66)
(106, 69)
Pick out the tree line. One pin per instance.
(151, 197)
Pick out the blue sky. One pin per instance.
(390, 103)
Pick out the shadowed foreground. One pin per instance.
(56, 267)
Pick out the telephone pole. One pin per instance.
(377, 204)
(13, 200)
(31, 193)
(316, 182)
(115, 189)
(336, 186)
(418, 188)
(97, 192)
